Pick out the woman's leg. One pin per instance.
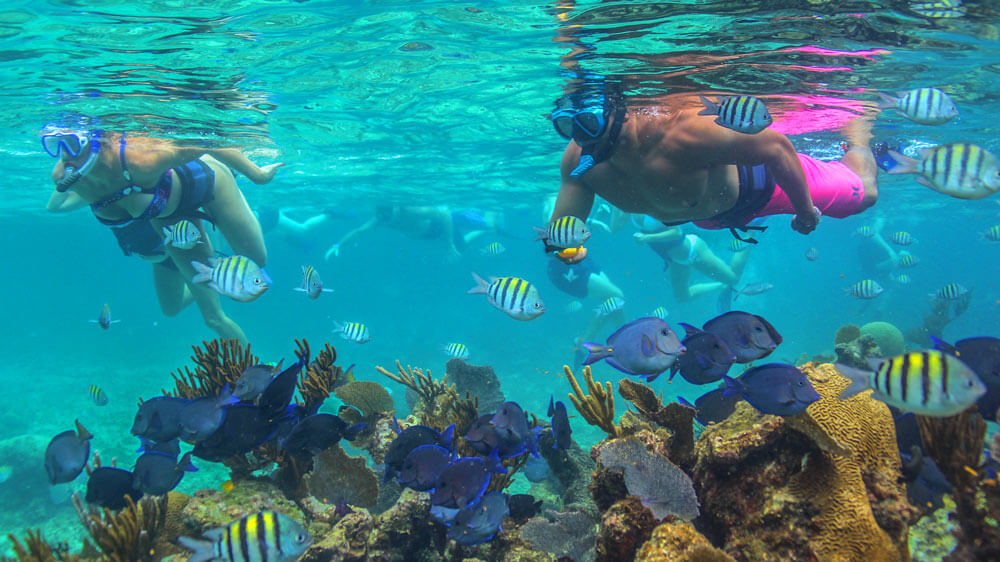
(709, 264)
(233, 217)
(171, 289)
(600, 287)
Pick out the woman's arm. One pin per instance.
(65, 201)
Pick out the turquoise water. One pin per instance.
(329, 89)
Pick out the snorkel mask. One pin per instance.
(70, 145)
(585, 120)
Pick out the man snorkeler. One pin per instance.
(139, 185)
(678, 166)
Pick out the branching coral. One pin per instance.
(423, 384)
(956, 444)
(598, 407)
(36, 549)
(439, 404)
(321, 377)
(677, 418)
(130, 534)
(220, 363)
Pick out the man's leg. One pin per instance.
(859, 158)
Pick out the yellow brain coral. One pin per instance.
(821, 485)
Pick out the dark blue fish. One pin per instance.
(422, 467)
(561, 431)
(317, 432)
(480, 522)
(511, 423)
(778, 389)
(158, 418)
(107, 487)
(925, 483)
(713, 406)
(523, 507)
(707, 357)
(645, 347)
(274, 399)
(201, 417)
(483, 436)
(408, 440)
(67, 454)
(982, 355)
(172, 447)
(157, 473)
(461, 483)
(254, 380)
(244, 428)
(536, 469)
(747, 335)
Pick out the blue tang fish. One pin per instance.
(317, 432)
(157, 473)
(463, 482)
(778, 389)
(200, 417)
(108, 486)
(158, 418)
(707, 357)
(422, 467)
(561, 431)
(749, 336)
(645, 347)
(713, 406)
(67, 454)
(408, 440)
(244, 427)
(479, 522)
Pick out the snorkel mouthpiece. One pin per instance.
(586, 163)
(73, 175)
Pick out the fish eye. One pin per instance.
(665, 331)
(538, 305)
(300, 537)
(759, 328)
(256, 280)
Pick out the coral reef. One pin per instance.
(846, 334)
(887, 337)
(675, 417)
(932, 538)
(208, 509)
(565, 534)
(941, 313)
(129, 535)
(677, 541)
(371, 398)
(598, 407)
(624, 527)
(821, 485)
(956, 444)
(35, 549)
(572, 469)
(338, 478)
(439, 404)
(221, 362)
(476, 380)
(321, 377)
(662, 487)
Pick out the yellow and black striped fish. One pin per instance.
(907, 261)
(992, 233)
(928, 106)
(353, 331)
(950, 292)
(865, 231)
(930, 383)
(237, 277)
(266, 536)
(738, 246)
(312, 285)
(97, 395)
(960, 169)
(744, 114)
(866, 289)
(456, 350)
(902, 238)
(610, 304)
(183, 234)
(518, 298)
(563, 232)
(493, 249)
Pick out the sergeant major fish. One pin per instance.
(353, 331)
(563, 232)
(236, 277)
(865, 289)
(930, 383)
(927, 106)
(743, 114)
(950, 292)
(266, 536)
(610, 305)
(456, 350)
(104, 318)
(97, 395)
(961, 170)
(516, 297)
(183, 235)
(312, 285)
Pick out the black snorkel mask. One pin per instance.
(70, 145)
(585, 121)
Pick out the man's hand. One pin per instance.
(267, 173)
(806, 224)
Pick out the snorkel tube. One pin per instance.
(588, 157)
(73, 175)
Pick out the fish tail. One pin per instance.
(185, 463)
(858, 377)
(481, 285)
(904, 164)
(81, 431)
(595, 352)
(204, 273)
(888, 102)
(540, 233)
(733, 387)
(711, 108)
(203, 550)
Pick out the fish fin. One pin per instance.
(683, 402)
(926, 182)
(653, 377)
(733, 387)
(226, 397)
(874, 363)
(647, 346)
(204, 273)
(859, 380)
(941, 345)
(204, 550)
(689, 330)
(493, 463)
(702, 361)
(711, 108)
(481, 285)
(888, 102)
(596, 352)
(904, 164)
(185, 463)
(540, 233)
(300, 289)
(449, 437)
(351, 433)
(82, 432)
(552, 408)
(536, 433)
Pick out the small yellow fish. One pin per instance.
(228, 486)
(567, 253)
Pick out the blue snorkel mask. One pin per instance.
(70, 145)
(585, 120)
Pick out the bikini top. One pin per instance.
(160, 193)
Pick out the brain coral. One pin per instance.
(887, 336)
(822, 485)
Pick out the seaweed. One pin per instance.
(129, 535)
(598, 407)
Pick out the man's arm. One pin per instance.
(574, 198)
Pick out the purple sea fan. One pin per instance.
(657, 482)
